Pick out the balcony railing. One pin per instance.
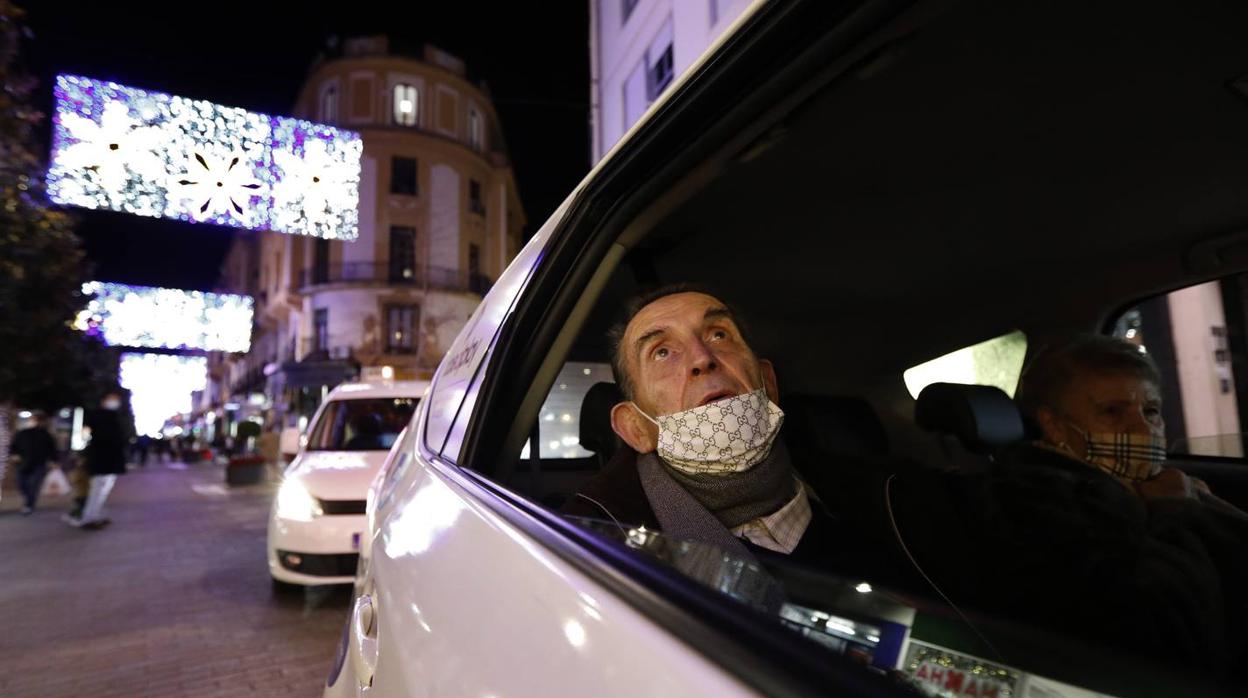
(396, 275)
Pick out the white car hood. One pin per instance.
(337, 474)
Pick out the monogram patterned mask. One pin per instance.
(725, 436)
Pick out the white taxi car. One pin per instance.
(874, 184)
(317, 517)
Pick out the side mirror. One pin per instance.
(290, 441)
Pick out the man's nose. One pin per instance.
(701, 359)
(1139, 423)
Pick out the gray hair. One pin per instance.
(1057, 366)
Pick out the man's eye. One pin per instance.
(719, 334)
(660, 353)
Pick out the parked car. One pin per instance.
(875, 185)
(317, 517)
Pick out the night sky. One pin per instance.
(255, 55)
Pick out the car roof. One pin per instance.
(378, 389)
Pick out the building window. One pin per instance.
(475, 203)
(626, 9)
(477, 282)
(403, 176)
(650, 77)
(476, 129)
(406, 104)
(320, 330)
(401, 323)
(659, 63)
(329, 105)
(402, 255)
(320, 261)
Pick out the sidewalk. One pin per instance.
(172, 599)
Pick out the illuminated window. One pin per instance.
(406, 104)
(996, 362)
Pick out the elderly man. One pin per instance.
(701, 422)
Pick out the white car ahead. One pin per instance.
(318, 514)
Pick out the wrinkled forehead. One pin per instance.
(1102, 385)
(676, 310)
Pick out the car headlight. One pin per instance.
(296, 503)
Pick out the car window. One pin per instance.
(997, 362)
(366, 424)
(559, 422)
(1196, 336)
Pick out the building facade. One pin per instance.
(636, 48)
(439, 220)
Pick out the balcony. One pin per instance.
(438, 278)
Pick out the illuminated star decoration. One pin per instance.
(223, 187)
(113, 147)
(152, 154)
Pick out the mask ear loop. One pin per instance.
(643, 413)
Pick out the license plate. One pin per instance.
(355, 541)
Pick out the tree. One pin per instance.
(44, 362)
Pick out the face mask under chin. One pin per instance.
(725, 436)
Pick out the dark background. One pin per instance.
(533, 58)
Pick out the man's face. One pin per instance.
(1105, 402)
(685, 350)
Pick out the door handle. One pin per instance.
(362, 651)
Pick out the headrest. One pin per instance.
(596, 432)
(840, 425)
(982, 417)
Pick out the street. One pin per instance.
(172, 599)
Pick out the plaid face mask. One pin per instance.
(725, 436)
(1126, 455)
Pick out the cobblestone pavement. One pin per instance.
(172, 599)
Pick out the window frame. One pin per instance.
(395, 189)
(399, 92)
(413, 322)
(398, 233)
(741, 642)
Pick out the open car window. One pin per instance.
(1198, 337)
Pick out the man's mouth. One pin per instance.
(717, 395)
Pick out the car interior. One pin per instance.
(978, 169)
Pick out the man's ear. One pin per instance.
(769, 380)
(630, 426)
(1051, 427)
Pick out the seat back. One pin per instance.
(981, 417)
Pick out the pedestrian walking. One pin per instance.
(34, 448)
(105, 459)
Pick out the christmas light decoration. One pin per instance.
(160, 386)
(163, 318)
(152, 154)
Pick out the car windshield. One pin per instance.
(369, 424)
